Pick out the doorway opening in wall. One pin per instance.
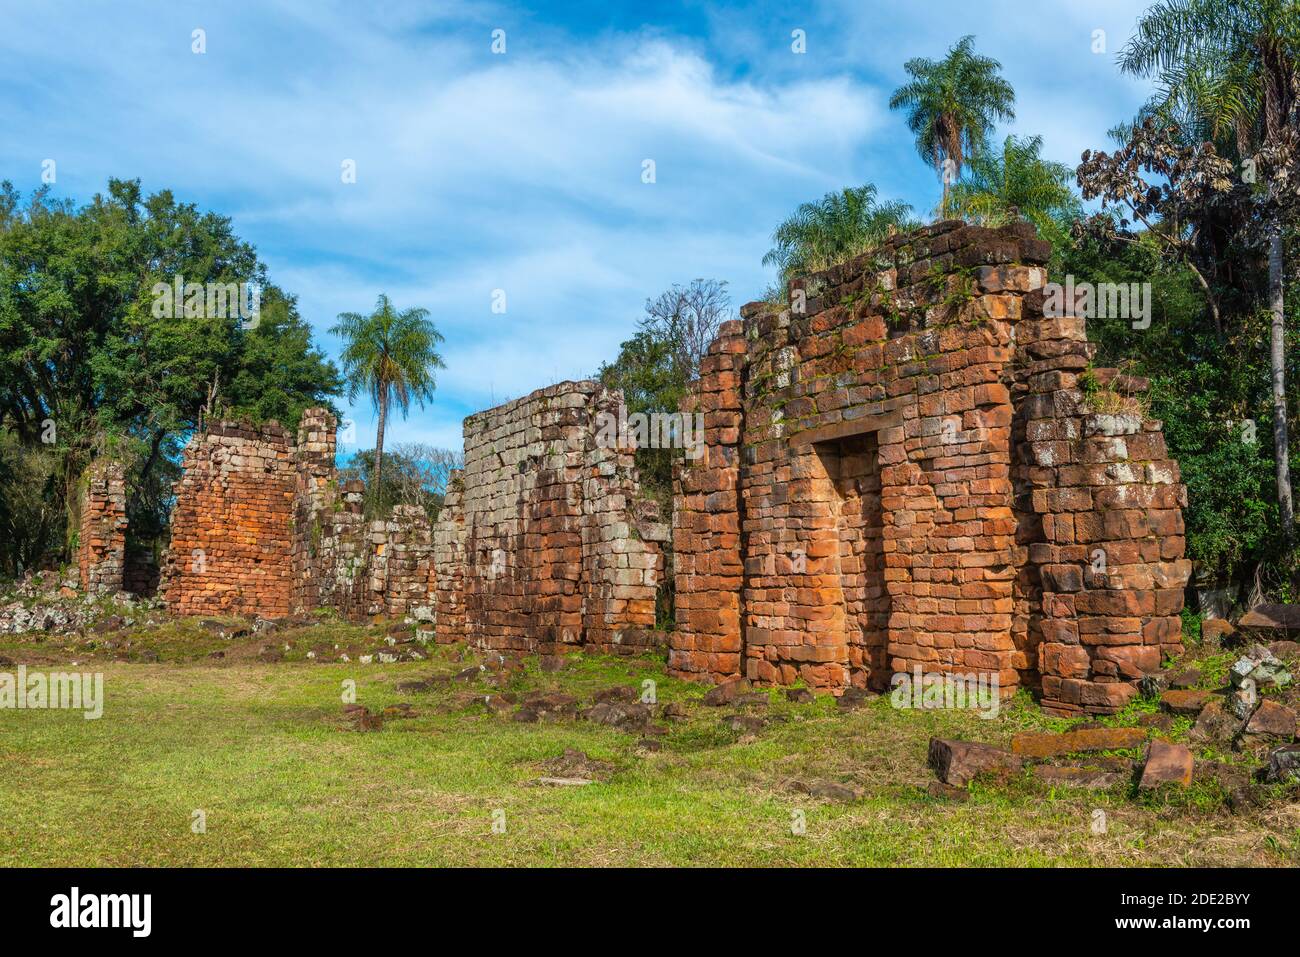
(853, 467)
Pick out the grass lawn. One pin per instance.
(263, 749)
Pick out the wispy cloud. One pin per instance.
(519, 172)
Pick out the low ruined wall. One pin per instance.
(101, 535)
(262, 527)
(902, 471)
(543, 543)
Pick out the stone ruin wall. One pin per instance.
(261, 527)
(232, 525)
(902, 470)
(544, 543)
(101, 533)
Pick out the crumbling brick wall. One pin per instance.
(232, 527)
(543, 542)
(1100, 508)
(261, 526)
(101, 536)
(707, 553)
(892, 513)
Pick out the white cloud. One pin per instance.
(520, 172)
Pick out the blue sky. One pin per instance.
(519, 171)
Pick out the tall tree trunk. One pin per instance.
(379, 445)
(1277, 362)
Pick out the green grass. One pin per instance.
(264, 751)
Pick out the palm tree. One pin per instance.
(842, 225)
(952, 105)
(1233, 67)
(389, 355)
(999, 187)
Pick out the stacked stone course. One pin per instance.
(543, 542)
(262, 527)
(707, 554)
(101, 537)
(1101, 505)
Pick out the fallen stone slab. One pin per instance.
(1185, 702)
(565, 782)
(959, 762)
(1048, 745)
(1154, 685)
(1272, 723)
(748, 723)
(1272, 618)
(853, 698)
(362, 719)
(616, 693)
(1285, 649)
(624, 715)
(1185, 679)
(414, 687)
(1215, 723)
(1166, 763)
(727, 692)
(800, 695)
(674, 711)
(223, 629)
(576, 764)
(553, 663)
(548, 705)
(1243, 701)
(1089, 779)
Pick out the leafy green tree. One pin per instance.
(86, 355)
(1232, 65)
(951, 107)
(390, 355)
(414, 474)
(835, 229)
(999, 187)
(655, 367)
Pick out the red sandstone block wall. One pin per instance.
(1103, 506)
(232, 539)
(903, 449)
(707, 556)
